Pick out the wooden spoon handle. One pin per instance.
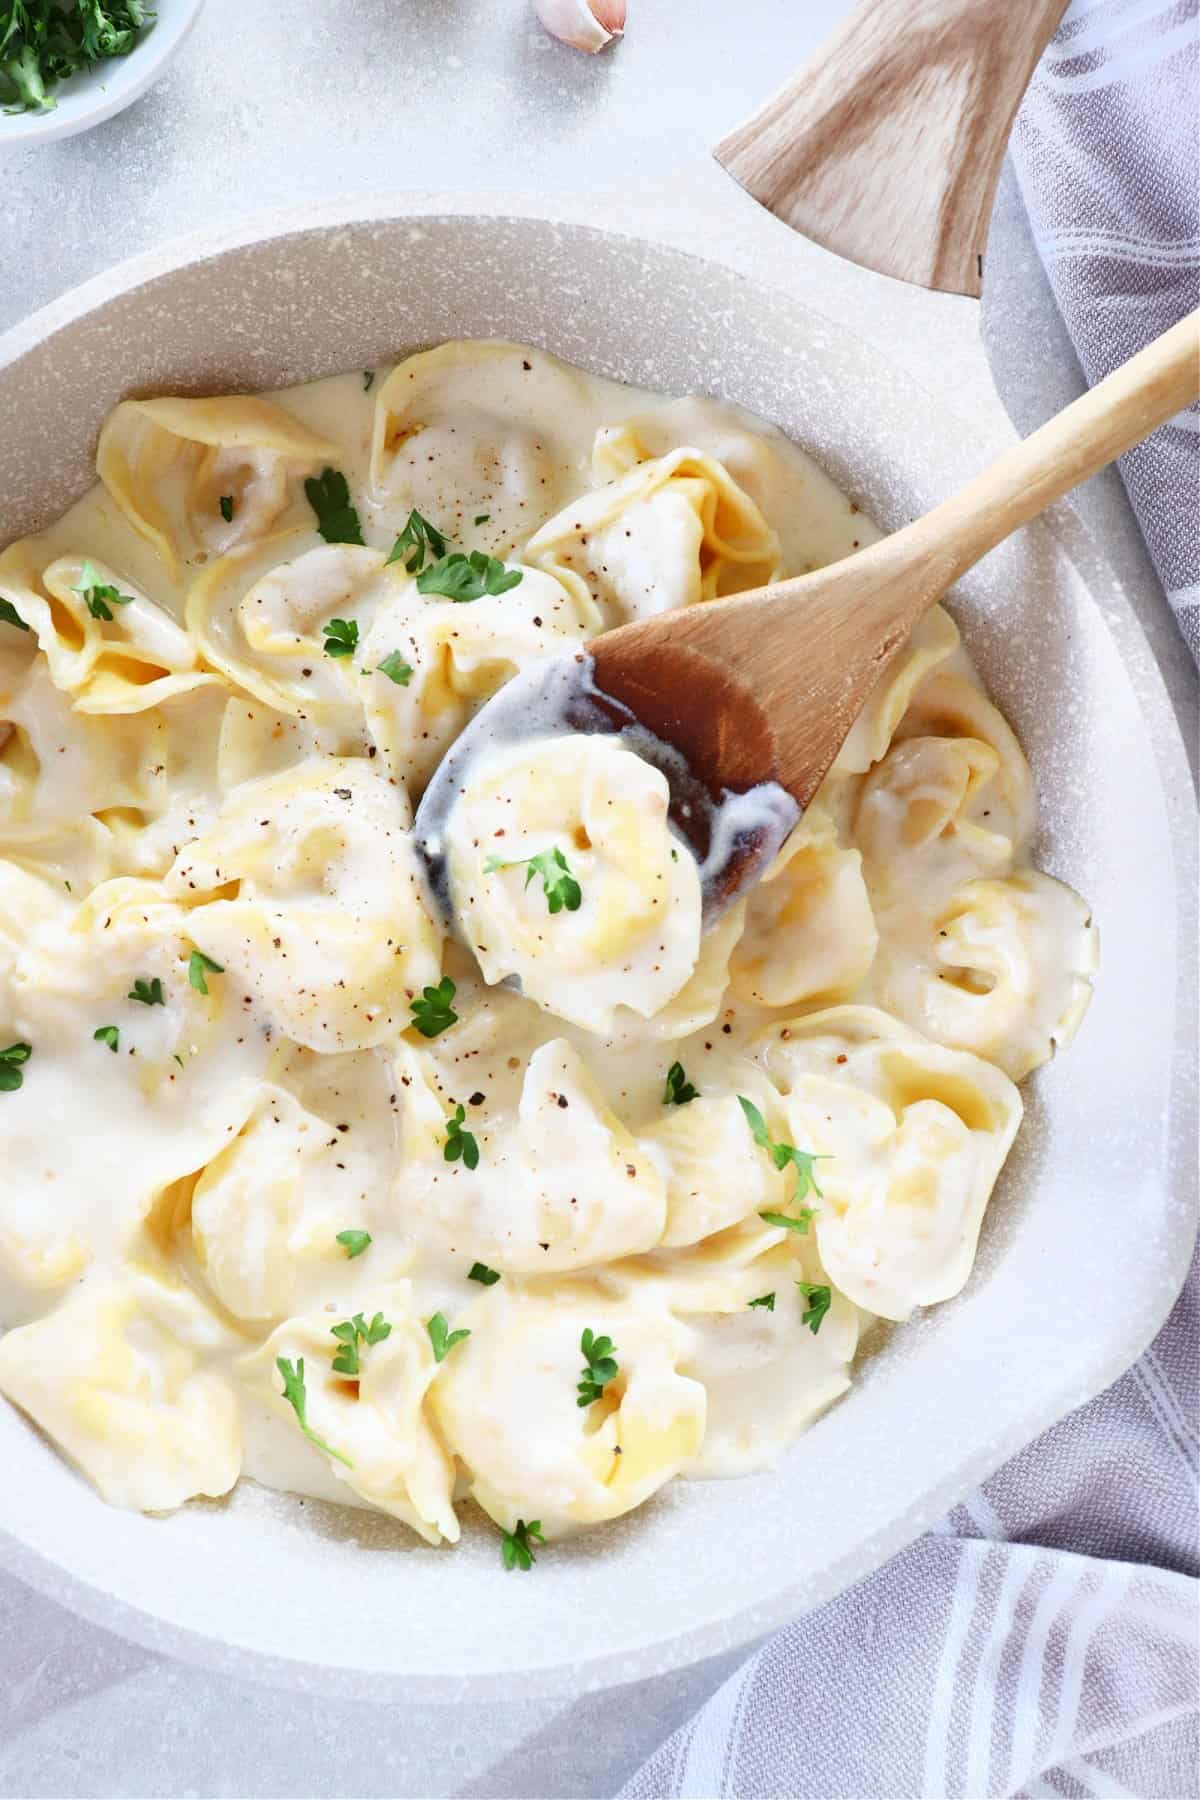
(886, 147)
(1086, 436)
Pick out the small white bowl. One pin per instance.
(109, 86)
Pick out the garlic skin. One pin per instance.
(584, 24)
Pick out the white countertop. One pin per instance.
(271, 105)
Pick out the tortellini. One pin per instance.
(485, 1170)
(566, 874)
(505, 1410)
(169, 464)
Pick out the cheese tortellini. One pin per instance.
(499, 1214)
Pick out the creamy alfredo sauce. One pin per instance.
(216, 939)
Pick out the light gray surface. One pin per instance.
(269, 105)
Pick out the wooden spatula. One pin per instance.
(754, 695)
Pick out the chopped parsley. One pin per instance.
(150, 993)
(766, 1301)
(679, 1089)
(368, 380)
(10, 1066)
(442, 1338)
(10, 616)
(227, 508)
(601, 1367)
(108, 1034)
(296, 1395)
(329, 496)
(418, 539)
(481, 1273)
(482, 518)
(462, 577)
(459, 1142)
(350, 1334)
(818, 1298)
(42, 42)
(199, 966)
(432, 1013)
(341, 637)
(395, 668)
(798, 1221)
(515, 1545)
(783, 1154)
(354, 1242)
(560, 887)
(99, 596)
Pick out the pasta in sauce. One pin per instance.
(298, 1187)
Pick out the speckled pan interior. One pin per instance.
(1089, 1233)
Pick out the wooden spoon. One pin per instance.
(754, 695)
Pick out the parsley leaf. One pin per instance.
(462, 577)
(442, 1338)
(459, 1142)
(679, 1089)
(198, 966)
(481, 1273)
(766, 1301)
(353, 1332)
(818, 1297)
(558, 884)
(515, 1545)
(790, 1221)
(227, 508)
(354, 1242)
(417, 538)
(150, 993)
(42, 44)
(100, 596)
(600, 1370)
(368, 380)
(783, 1154)
(482, 518)
(329, 496)
(10, 616)
(395, 668)
(296, 1395)
(10, 1066)
(108, 1034)
(341, 637)
(432, 1013)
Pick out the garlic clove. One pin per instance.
(584, 24)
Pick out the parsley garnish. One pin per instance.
(107, 1034)
(766, 1301)
(558, 884)
(601, 1367)
(353, 1332)
(198, 966)
(395, 668)
(296, 1395)
(368, 378)
(790, 1221)
(432, 1013)
(481, 1273)
(482, 518)
(783, 1154)
(10, 616)
(515, 1545)
(10, 1066)
(818, 1298)
(150, 993)
(679, 1089)
(227, 508)
(442, 1338)
(42, 44)
(354, 1242)
(459, 1142)
(329, 496)
(462, 577)
(418, 537)
(100, 596)
(341, 637)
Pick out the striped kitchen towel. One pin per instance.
(1107, 152)
(1043, 1641)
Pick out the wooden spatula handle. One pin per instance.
(886, 147)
